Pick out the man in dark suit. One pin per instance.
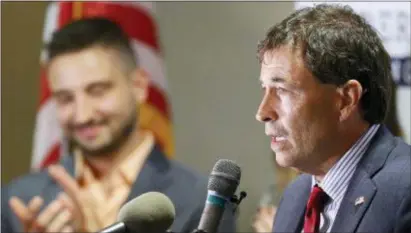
(326, 80)
(98, 87)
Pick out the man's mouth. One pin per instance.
(88, 132)
(277, 139)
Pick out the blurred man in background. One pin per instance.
(96, 82)
(327, 84)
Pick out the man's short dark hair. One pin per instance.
(88, 32)
(338, 45)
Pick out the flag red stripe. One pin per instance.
(157, 98)
(136, 22)
(65, 13)
(52, 156)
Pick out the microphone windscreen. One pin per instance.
(150, 212)
(225, 177)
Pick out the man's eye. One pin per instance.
(98, 90)
(280, 89)
(63, 99)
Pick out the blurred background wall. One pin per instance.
(212, 72)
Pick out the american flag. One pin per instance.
(137, 20)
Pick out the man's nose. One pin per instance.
(266, 110)
(83, 111)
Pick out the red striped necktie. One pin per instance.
(315, 206)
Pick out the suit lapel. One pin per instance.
(356, 201)
(296, 200)
(153, 175)
(361, 189)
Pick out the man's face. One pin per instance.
(96, 100)
(300, 114)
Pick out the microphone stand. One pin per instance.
(237, 200)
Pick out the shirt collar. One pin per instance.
(338, 177)
(137, 158)
(126, 167)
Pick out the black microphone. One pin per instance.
(151, 212)
(222, 184)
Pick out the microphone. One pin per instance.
(222, 184)
(151, 212)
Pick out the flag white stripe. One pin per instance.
(152, 62)
(51, 21)
(47, 132)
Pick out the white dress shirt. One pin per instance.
(337, 179)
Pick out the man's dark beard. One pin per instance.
(113, 146)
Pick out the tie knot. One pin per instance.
(318, 198)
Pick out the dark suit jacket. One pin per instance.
(382, 178)
(185, 188)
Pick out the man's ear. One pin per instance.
(141, 82)
(350, 93)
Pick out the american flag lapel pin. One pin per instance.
(359, 201)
